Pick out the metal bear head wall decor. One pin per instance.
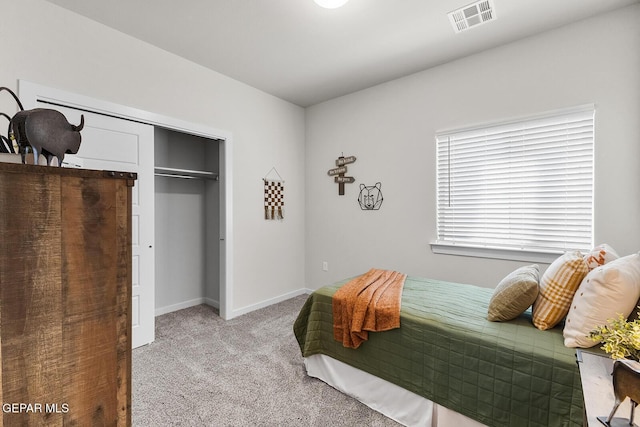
(370, 197)
(41, 130)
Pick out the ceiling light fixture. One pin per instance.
(331, 4)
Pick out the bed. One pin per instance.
(447, 364)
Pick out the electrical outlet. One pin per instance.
(325, 266)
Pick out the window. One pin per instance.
(525, 185)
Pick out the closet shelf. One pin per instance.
(184, 173)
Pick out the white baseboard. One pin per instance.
(212, 302)
(185, 304)
(271, 301)
(239, 312)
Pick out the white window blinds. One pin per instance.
(524, 185)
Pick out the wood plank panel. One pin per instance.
(123, 303)
(90, 272)
(30, 295)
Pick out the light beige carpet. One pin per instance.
(203, 371)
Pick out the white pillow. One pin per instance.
(604, 293)
(600, 255)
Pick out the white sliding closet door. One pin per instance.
(110, 143)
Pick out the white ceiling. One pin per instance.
(305, 54)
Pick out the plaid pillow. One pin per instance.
(557, 288)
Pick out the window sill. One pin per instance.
(494, 253)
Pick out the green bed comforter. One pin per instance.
(501, 374)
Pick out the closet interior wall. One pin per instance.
(187, 221)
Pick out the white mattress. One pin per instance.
(395, 402)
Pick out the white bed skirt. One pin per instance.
(395, 402)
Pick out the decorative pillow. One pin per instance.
(557, 287)
(605, 293)
(514, 294)
(600, 255)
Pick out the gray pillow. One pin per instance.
(514, 294)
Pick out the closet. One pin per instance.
(181, 212)
(187, 220)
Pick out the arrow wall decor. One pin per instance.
(340, 170)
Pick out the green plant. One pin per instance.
(620, 338)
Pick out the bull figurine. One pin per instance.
(43, 131)
(46, 132)
(626, 383)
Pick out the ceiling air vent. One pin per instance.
(471, 15)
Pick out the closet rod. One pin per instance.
(185, 173)
(185, 176)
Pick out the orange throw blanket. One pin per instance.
(370, 302)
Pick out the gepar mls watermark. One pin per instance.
(35, 408)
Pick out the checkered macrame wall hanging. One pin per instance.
(273, 197)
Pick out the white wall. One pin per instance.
(391, 127)
(46, 44)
